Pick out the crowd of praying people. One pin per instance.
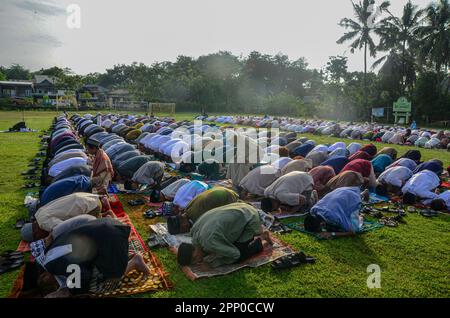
(397, 135)
(73, 223)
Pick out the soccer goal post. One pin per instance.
(162, 108)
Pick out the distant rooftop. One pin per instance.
(16, 82)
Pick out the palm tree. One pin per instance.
(360, 31)
(399, 37)
(435, 38)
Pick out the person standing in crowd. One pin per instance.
(102, 169)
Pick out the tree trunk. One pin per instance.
(403, 68)
(365, 78)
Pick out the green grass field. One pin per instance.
(414, 258)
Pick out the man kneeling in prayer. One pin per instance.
(337, 214)
(292, 192)
(100, 250)
(225, 235)
(421, 187)
(392, 180)
(65, 208)
(202, 203)
(442, 202)
(150, 174)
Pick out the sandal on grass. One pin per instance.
(31, 185)
(20, 223)
(149, 214)
(29, 172)
(388, 222)
(429, 213)
(136, 202)
(292, 260)
(11, 253)
(9, 265)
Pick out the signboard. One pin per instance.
(402, 105)
(378, 112)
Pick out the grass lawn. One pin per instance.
(414, 258)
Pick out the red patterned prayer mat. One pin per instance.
(131, 284)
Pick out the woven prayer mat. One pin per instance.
(368, 226)
(134, 282)
(23, 247)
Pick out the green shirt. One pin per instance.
(208, 200)
(217, 230)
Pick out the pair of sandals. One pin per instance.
(31, 177)
(150, 214)
(428, 213)
(280, 228)
(10, 260)
(389, 221)
(292, 260)
(156, 241)
(31, 185)
(31, 171)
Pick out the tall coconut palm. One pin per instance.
(398, 36)
(361, 31)
(435, 37)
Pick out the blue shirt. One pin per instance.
(65, 187)
(303, 150)
(337, 163)
(340, 208)
(429, 165)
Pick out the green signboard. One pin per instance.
(402, 105)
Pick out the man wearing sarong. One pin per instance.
(102, 169)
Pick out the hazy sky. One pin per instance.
(35, 34)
